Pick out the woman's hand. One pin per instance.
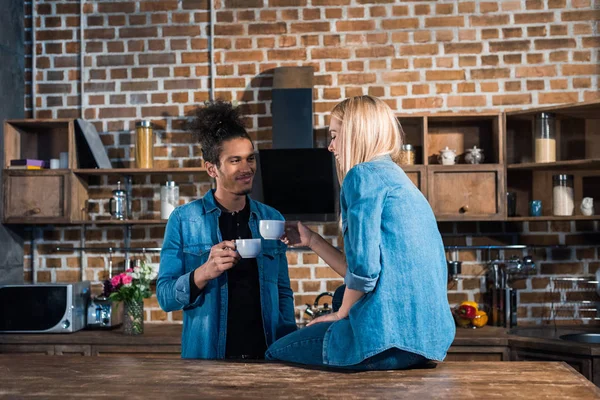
(297, 235)
(327, 318)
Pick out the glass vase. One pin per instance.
(133, 318)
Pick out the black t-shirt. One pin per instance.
(245, 332)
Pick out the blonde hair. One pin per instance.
(369, 129)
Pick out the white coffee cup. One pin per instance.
(248, 248)
(271, 229)
(54, 163)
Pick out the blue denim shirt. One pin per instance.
(191, 231)
(396, 256)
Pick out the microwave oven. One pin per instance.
(44, 308)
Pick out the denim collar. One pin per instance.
(210, 204)
(382, 157)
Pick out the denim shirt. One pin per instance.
(191, 231)
(395, 255)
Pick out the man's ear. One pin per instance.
(211, 169)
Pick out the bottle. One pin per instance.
(144, 145)
(545, 138)
(563, 203)
(169, 199)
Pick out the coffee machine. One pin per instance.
(501, 297)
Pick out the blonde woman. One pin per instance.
(395, 313)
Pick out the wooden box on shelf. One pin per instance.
(44, 195)
(465, 191)
(34, 197)
(577, 153)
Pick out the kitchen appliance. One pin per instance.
(500, 296)
(103, 313)
(118, 204)
(317, 310)
(44, 308)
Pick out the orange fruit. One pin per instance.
(480, 319)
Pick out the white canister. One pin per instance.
(169, 199)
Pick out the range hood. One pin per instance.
(294, 177)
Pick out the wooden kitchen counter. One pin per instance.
(157, 334)
(32, 376)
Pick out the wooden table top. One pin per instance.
(29, 376)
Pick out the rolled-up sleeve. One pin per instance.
(173, 283)
(362, 208)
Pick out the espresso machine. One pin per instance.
(501, 297)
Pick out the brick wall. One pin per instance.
(150, 59)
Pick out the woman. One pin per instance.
(395, 312)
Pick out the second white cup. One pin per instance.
(271, 229)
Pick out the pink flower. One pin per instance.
(116, 281)
(130, 270)
(127, 280)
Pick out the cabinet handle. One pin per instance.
(464, 209)
(36, 210)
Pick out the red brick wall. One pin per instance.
(150, 59)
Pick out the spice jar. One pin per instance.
(562, 195)
(406, 155)
(545, 138)
(144, 145)
(169, 199)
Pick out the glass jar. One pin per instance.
(169, 199)
(563, 203)
(144, 145)
(406, 155)
(545, 138)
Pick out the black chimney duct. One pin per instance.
(292, 108)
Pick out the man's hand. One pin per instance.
(223, 256)
(297, 235)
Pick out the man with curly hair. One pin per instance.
(232, 307)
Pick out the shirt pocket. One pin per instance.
(195, 255)
(271, 257)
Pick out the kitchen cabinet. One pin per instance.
(172, 351)
(478, 353)
(466, 192)
(577, 148)
(582, 364)
(458, 192)
(461, 191)
(44, 349)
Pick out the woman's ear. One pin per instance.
(211, 169)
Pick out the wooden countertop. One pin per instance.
(170, 335)
(29, 376)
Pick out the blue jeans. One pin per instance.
(305, 346)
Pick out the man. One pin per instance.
(233, 307)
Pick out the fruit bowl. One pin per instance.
(470, 315)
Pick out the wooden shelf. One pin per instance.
(124, 222)
(35, 172)
(588, 109)
(554, 218)
(571, 165)
(140, 171)
(464, 167)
